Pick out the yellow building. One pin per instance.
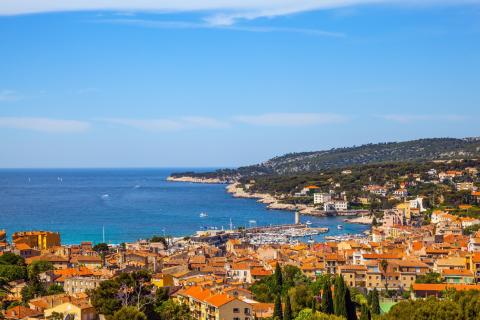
(405, 207)
(207, 305)
(39, 240)
(80, 310)
(162, 280)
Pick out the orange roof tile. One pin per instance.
(219, 300)
(443, 286)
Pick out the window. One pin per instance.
(236, 310)
(247, 311)
(236, 318)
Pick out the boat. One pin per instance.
(105, 196)
(339, 227)
(308, 223)
(203, 214)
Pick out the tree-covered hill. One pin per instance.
(415, 150)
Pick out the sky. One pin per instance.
(218, 83)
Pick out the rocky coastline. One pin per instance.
(197, 180)
(272, 203)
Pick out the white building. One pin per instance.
(319, 198)
(337, 205)
(417, 204)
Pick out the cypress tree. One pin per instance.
(277, 310)
(339, 297)
(369, 298)
(327, 300)
(278, 278)
(375, 302)
(365, 315)
(350, 306)
(287, 313)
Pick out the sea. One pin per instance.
(124, 205)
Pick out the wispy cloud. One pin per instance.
(184, 123)
(220, 12)
(9, 95)
(291, 119)
(407, 118)
(44, 124)
(208, 25)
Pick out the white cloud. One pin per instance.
(192, 25)
(9, 95)
(184, 123)
(222, 12)
(44, 124)
(406, 118)
(291, 119)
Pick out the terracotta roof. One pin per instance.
(22, 246)
(381, 256)
(219, 300)
(443, 287)
(197, 292)
(260, 272)
(20, 312)
(453, 272)
(84, 259)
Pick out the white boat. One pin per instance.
(339, 227)
(203, 214)
(105, 196)
(308, 223)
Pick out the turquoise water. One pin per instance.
(129, 203)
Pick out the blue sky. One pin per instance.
(85, 84)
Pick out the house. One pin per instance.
(25, 251)
(423, 290)
(39, 240)
(58, 262)
(320, 197)
(263, 310)
(476, 196)
(465, 186)
(77, 309)
(354, 275)
(306, 190)
(91, 262)
(75, 285)
(400, 193)
(337, 205)
(458, 276)
(21, 312)
(205, 304)
(453, 263)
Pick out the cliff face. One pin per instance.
(415, 150)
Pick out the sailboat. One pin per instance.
(203, 214)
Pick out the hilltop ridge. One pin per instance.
(291, 163)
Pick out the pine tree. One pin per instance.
(350, 306)
(277, 310)
(365, 315)
(278, 278)
(287, 313)
(375, 302)
(327, 300)
(339, 297)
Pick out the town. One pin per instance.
(424, 242)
